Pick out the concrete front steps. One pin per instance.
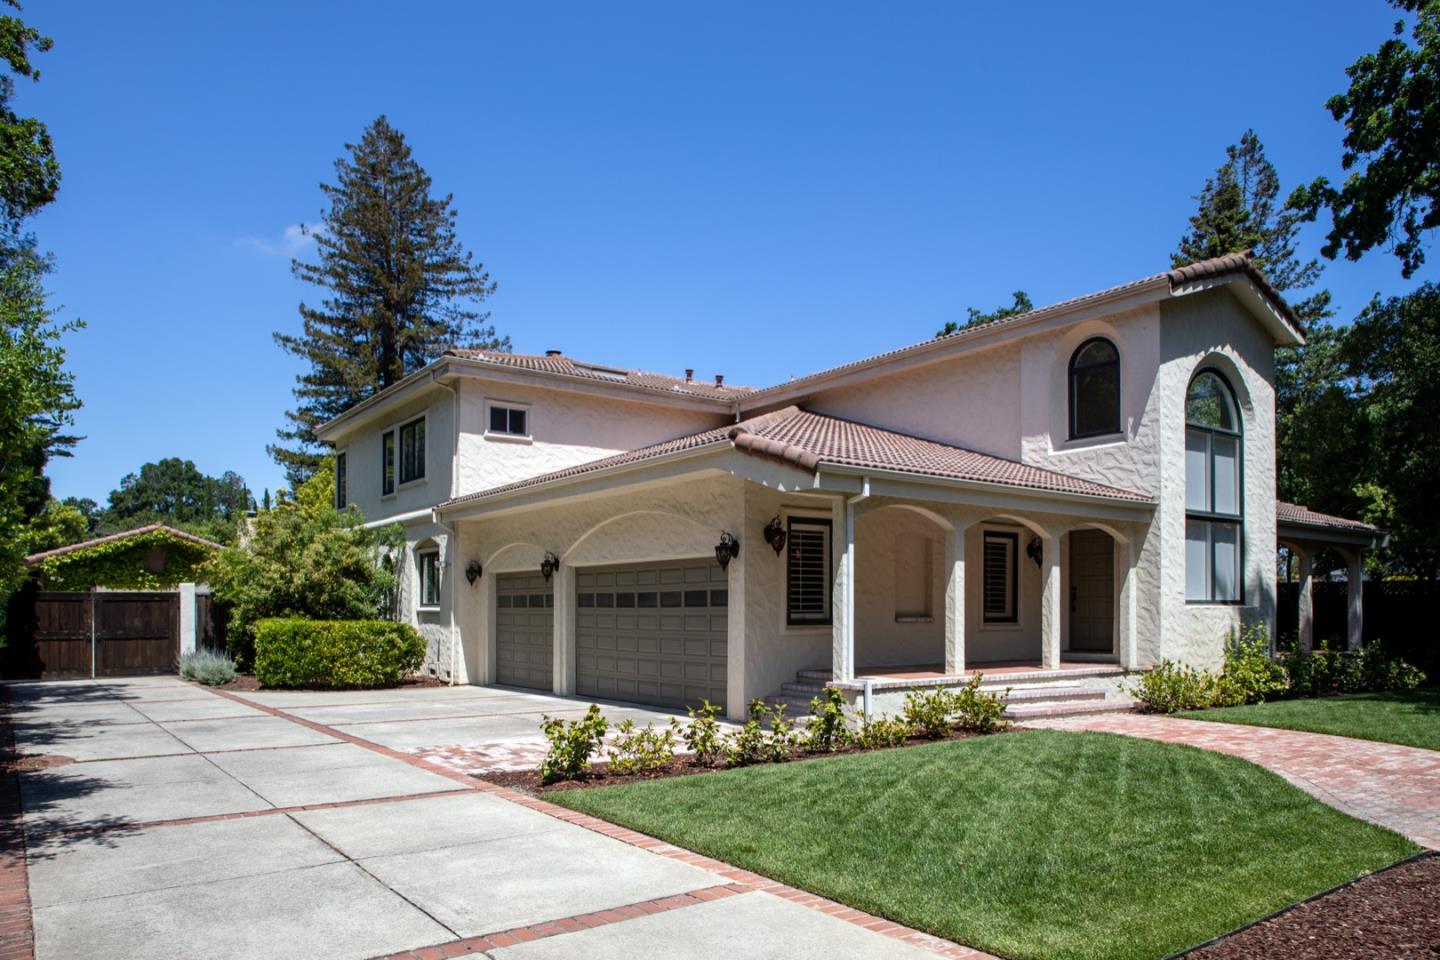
(1034, 695)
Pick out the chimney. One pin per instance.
(719, 379)
(689, 374)
(552, 353)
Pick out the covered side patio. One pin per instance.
(1305, 533)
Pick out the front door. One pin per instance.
(1092, 592)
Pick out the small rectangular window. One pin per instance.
(430, 579)
(387, 463)
(808, 575)
(511, 421)
(340, 481)
(412, 450)
(647, 599)
(1000, 574)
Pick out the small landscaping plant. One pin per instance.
(828, 728)
(702, 736)
(750, 744)
(321, 654)
(572, 744)
(929, 712)
(882, 732)
(978, 711)
(1171, 687)
(207, 667)
(1251, 674)
(644, 749)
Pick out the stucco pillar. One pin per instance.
(955, 602)
(1050, 604)
(485, 653)
(1126, 639)
(1354, 599)
(737, 695)
(842, 599)
(189, 623)
(1306, 638)
(563, 679)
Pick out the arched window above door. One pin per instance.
(1094, 389)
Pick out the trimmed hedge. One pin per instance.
(295, 652)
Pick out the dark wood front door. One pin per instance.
(1092, 592)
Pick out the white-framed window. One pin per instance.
(387, 463)
(1214, 520)
(427, 562)
(412, 450)
(504, 419)
(340, 480)
(807, 572)
(999, 583)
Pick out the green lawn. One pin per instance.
(1030, 844)
(1409, 717)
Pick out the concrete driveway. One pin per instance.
(344, 825)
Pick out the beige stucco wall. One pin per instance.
(362, 450)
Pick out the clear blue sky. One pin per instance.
(755, 189)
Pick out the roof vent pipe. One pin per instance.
(689, 374)
(719, 379)
(552, 353)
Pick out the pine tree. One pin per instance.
(401, 289)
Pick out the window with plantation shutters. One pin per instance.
(1000, 576)
(807, 572)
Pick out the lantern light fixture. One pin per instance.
(1035, 550)
(727, 549)
(473, 570)
(775, 534)
(549, 565)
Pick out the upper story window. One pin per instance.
(1001, 573)
(387, 463)
(807, 595)
(509, 420)
(1094, 389)
(428, 564)
(1214, 514)
(340, 481)
(412, 450)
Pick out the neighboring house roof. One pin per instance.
(36, 558)
(810, 440)
(1296, 515)
(560, 365)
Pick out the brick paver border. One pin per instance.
(17, 932)
(735, 875)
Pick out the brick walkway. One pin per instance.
(1394, 786)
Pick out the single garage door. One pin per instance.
(524, 630)
(653, 633)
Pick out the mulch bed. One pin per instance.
(1390, 915)
(599, 775)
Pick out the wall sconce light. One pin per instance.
(473, 571)
(775, 534)
(549, 565)
(1035, 550)
(726, 550)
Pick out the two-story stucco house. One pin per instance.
(1087, 487)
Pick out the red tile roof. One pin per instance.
(1305, 517)
(35, 558)
(570, 367)
(808, 440)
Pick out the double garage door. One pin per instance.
(652, 633)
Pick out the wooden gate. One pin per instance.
(127, 633)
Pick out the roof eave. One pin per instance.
(1140, 507)
(1271, 312)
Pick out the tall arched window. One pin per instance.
(1094, 389)
(1213, 495)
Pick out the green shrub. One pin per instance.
(702, 736)
(828, 728)
(642, 749)
(335, 653)
(207, 667)
(976, 710)
(1172, 687)
(929, 712)
(883, 732)
(1251, 675)
(750, 744)
(1327, 673)
(1380, 671)
(572, 744)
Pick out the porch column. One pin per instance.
(842, 599)
(1050, 604)
(1354, 599)
(1126, 646)
(189, 622)
(955, 602)
(1306, 639)
(563, 678)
